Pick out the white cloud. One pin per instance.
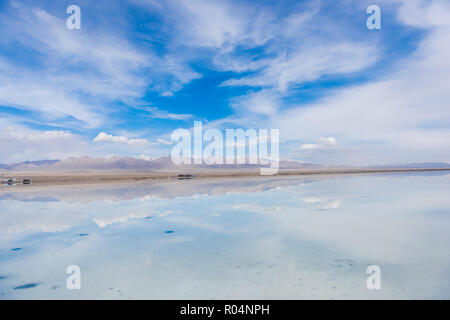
(309, 146)
(332, 204)
(258, 208)
(104, 137)
(76, 75)
(51, 101)
(146, 158)
(308, 64)
(294, 51)
(166, 142)
(263, 102)
(138, 142)
(103, 222)
(55, 87)
(161, 114)
(21, 143)
(323, 203)
(329, 141)
(312, 200)
(424, 14)
(324, 143)
(207, 23)
(40, 136)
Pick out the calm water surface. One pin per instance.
(247, 238)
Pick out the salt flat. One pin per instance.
(282, 237)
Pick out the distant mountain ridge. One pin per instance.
(128, 163)
(165, 163)
(28, 163)
(418, 165)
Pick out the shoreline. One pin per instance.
(105, 177)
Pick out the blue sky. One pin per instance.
(339, 92)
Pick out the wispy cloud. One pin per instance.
(161, 114)
(104, 137)
(324, 143)
(76, 74)
(308, 64)
(163, 141)
(23, 143)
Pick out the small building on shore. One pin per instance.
(9, 182)
(12, 181)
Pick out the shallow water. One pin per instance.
(245, 238)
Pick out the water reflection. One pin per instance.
(275, 237)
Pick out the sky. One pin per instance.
(339, 92)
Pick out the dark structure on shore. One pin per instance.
(12, 181)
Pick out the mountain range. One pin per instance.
(128, 163)
(165, 163)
